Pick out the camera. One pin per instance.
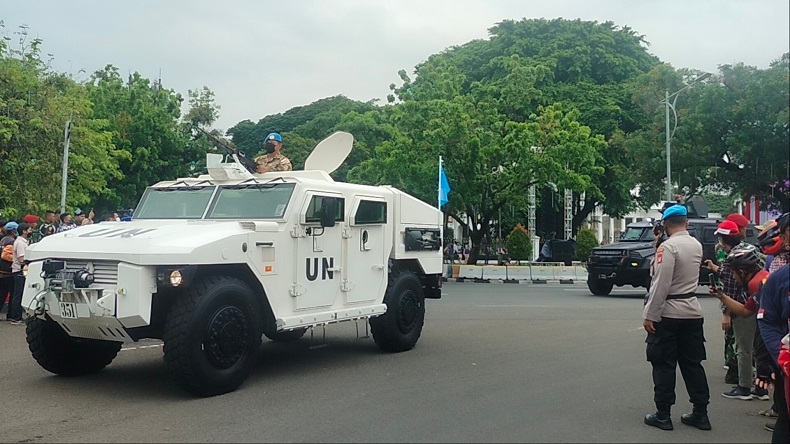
(658, 228)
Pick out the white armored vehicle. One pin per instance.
(212, 263)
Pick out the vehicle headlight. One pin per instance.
(176, 278)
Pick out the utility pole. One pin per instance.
(66, 139)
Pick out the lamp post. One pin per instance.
(669, 135)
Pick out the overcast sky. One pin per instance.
(264, 57)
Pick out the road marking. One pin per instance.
(142, 347)
(620, 290)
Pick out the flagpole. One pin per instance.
(439, 202)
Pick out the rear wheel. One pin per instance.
(599, 287)
(212, 336)
(400, 327)
(59, 353)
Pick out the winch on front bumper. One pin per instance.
(91, 299)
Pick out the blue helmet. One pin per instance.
(274, 136)
(674, 210)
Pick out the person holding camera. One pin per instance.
(673, 319)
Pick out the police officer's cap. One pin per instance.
(674, 210)
(274, 136)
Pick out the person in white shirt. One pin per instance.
(18, 268)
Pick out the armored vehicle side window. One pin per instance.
(371, 212)
(314, 209)
(174, 203)
(265, 201)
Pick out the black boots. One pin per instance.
(695, 419)
(660, 420)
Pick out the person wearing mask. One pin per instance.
(773, 317)
(744, 327)
(273, 159)
(18, 270)
(673, 320)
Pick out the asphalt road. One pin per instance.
(496, 363)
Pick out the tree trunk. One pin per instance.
(578, 218)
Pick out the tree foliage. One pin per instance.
(36, 104)
(519, 244)
(741, 111)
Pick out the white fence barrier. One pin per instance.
(540, 271)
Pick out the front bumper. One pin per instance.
(119, 298)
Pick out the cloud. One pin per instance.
(264, 57)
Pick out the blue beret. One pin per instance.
(275, 136)
(674, 210)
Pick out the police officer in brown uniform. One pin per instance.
(673, 320)
(273, 160)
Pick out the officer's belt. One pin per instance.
(681, 296)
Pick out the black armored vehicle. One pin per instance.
(627, 262)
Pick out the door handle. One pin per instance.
(264, 244)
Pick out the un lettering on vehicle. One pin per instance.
(326, 266)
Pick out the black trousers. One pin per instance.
(782, 427)
(15, 310)
(6, 289)
(678, 342)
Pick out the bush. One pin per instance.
(519, 245)
(586, 241)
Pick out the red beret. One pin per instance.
(30, 218)
(727, 228)
(740, 220)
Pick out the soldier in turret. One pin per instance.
(273, 160)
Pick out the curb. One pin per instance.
(510, 281)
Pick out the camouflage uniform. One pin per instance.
(278, 162)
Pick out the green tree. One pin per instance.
(519, 244)
(742, 111)
(36, 104)
(525, 64)
(586, 241)
(144, 118)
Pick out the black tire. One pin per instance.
(59, 353)
(286, 336)
(599, 287)
(212, 336)
(400, 327)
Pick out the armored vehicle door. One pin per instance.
(365, 259)
(318, 253)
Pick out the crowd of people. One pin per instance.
(753, 284)
(14, 239)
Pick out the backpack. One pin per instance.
(8, 253)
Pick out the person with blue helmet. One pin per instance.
(673, 319)
(272, 159)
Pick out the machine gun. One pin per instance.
(237, 155)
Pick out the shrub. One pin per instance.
(519, 245)
(586, 241)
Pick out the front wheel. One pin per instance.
(599, 287)
(59, 353)
(212, 336)
(400, 327)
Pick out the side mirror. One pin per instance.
(328, 211)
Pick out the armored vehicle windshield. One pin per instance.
(242, 201)
(637, 234)
(254, 201)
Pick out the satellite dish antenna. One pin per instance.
(330, 153)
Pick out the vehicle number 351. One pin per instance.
(68, 310)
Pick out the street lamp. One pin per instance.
(669, 135)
